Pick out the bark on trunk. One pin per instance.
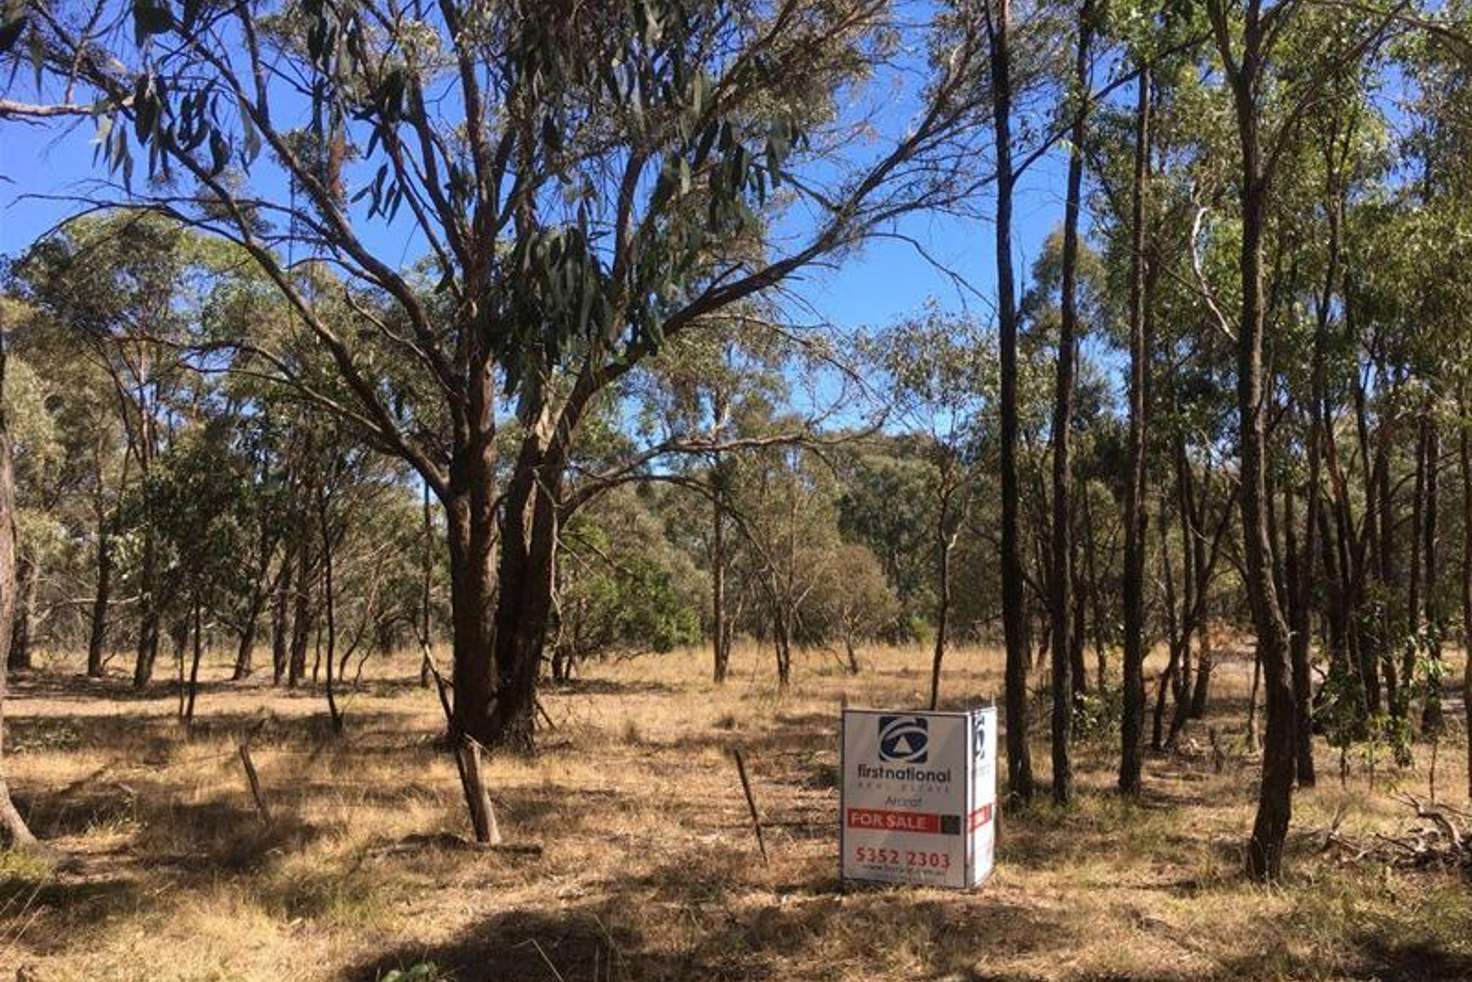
(523, 607)
(426, 663)
(1201, 691)
(1275, 798)
(1062, 585)
(720, 642)
(18, 658)
(330, 603)
(102, 596)
(945, 541)
(1301, 562)
(281, 620)
(13, 829)
(1014, 615)
(148, 623)
(1132, 722)
(304, 614)
(245, 650)
(198, 656)
(1465, 448)
(1431, 714)
(1407, 680)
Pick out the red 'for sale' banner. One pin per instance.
(871, 818)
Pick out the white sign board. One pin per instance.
(918, 796)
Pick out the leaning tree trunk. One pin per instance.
(1014, 614)
(1132, 722)
(245, 650)
(13, 828)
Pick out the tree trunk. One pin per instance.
(18, 659)
(1091, 556)
(304, 614)
(1174, 632)
(719, 641)
(281, 619)
(522, 610)
(782, 645)
(1132, 722)
(1431, 715)
(472, 592)
(1275, 798)
(1465, 447)
(943, 599)
(1201, 691)
(1014, 614)
(193, 689)
(148, 618)
(1079, 673)
(102, 596)
(426, 663)
(1062, 585)
(245, 650)
(329, 603)
(1300, 566)
(13, 829)
(1402, 705)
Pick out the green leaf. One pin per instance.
(252, 137)
(219, 153)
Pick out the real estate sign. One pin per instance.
(918, 796)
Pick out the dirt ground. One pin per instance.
(648, 868)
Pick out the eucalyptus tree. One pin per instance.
(1248, 41)
(13, 828)
(709, 396)
(80, 496)
(1061, 586)
(587, 184)
(118, 287)
(939, 368)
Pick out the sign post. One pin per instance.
(918, 796)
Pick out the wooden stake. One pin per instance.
(255, 783)
(756, 822)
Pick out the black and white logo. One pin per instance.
(903, 739)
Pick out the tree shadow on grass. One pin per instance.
(152, 737)
(1367, 956)
(685, 921)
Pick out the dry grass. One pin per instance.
(649, 870)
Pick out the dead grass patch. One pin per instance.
(649, 870)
